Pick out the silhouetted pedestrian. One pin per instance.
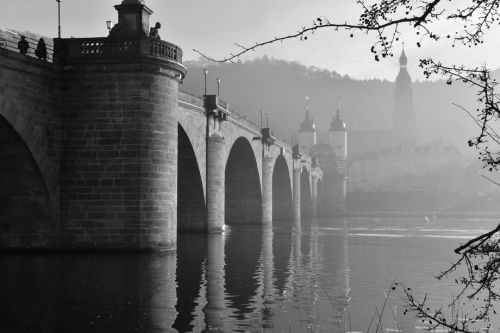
(41, 50)
(154, 32)
(23, 45)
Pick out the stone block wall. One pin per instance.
(119, 157)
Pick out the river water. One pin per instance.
(331, 276)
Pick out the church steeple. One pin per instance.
(403, 60)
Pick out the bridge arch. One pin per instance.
(305, 192)
(243, 203)
(28, 216)
(33, 138)
(191, 209)
(282, 190)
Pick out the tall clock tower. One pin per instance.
(404, 118)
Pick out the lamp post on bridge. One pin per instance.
(58, 18)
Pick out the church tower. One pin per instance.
(404, 119)
(337, 136)
(338, 141)
(333, 189)
(307, 131)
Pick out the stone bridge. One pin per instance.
(102, 150)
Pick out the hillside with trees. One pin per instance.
(279, 88)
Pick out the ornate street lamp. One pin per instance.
(205, 71)
(109, 25)
(218, 86)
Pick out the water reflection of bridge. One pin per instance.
(277, 285)
(248, 278)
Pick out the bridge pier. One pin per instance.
(119, 166)
(314, 194)
(267, 191)
(297, 171)
(215, 183)
(120, 141)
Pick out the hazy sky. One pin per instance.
(213, 26)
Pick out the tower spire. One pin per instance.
(403, 60)
(337, 123)
(308, 124)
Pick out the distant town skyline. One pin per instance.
(214, 26)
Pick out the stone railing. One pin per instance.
(192, 99)
(95, 48)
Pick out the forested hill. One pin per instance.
(279, 88)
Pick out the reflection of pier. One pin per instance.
(191, 259)
(267, 288)
(88, 293)
(318, 300)
(215, 309)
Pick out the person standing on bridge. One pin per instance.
(23, 45)
(41, 50)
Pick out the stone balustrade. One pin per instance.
(103, 48)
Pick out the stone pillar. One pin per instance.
(158, 163)
(215, 183)
(119, 155)
(267, 191)
(314, 195)
(215, 279)
(296, 194)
